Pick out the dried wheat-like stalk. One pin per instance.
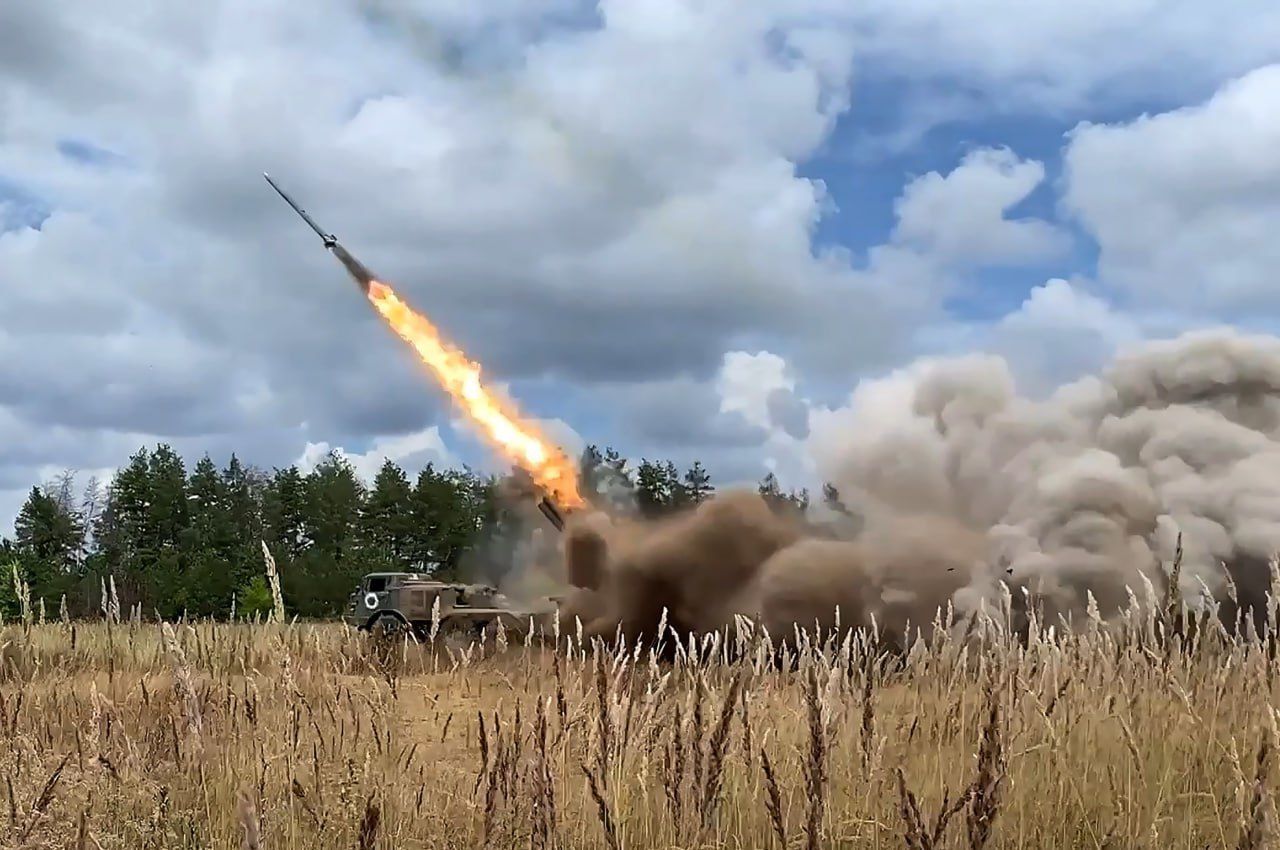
(815, 768)
(43, 799)
(773, 802)
(699, 726)
(544, 820)
(985, 792)
(604, 720)
(673, 763)
(185, 685)
(369, 824)
(113, 605)
(718, 749)
(1254, 829)
(247, 814)
(917, 834)
(273, 579)
(602, 809)
(22, 592)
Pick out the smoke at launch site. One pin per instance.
(962, 485)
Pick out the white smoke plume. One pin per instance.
(1088, 490)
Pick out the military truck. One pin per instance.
(387, 604)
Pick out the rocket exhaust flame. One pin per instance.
(460, 377)
(502, 424)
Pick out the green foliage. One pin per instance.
(254, 598)
(659, 489)
(697, 484)
(10, 607)
(178, 541)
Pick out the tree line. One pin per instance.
(177, 541)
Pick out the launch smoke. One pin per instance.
(962, 486)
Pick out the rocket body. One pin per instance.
(354, 267)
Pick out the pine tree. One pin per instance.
(121, 529)
(283, 513)
(207, 504)
(445, 508)
(677, 496)
(387, 514)
(589, 468)
(47, 538)
(652, 495)
(168, 512)
(243, 488)
(770, 491)
(173, 542)
(334, 496)
(697, 484)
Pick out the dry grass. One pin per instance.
(124, 735)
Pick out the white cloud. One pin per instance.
(747, 380)
(607, 196)
(960, 218)
(410, 451)
(1054, 55)
(1059, 333)
(550, 196)
(1185, 205)
(548, 212)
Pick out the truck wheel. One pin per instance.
(387, 626)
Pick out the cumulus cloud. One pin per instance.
(1061, 55)
(1185, 204)
(1061, 332)
(599, 196)
(960, 218)
(547, 223)
(410, 451)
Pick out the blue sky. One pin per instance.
(611, 207)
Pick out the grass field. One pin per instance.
(293, 736)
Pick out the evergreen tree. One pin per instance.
(784, 503)
(652, 494)
(589, 468)
(615, 461)
(120, 531)
(334, 496)
(697, 484)
(48, 535)
(321, 579)
(770, 491)
(284, 504)
(168, 511)
(387, 513)
(176, 542)
(242, 491)
(446, 514)
(209, 522)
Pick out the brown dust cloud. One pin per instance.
(968, 493)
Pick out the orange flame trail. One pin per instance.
(548, 466)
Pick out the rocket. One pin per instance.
(363, 277)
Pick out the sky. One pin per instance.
(683, 228)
